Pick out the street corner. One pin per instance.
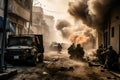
(8, 74)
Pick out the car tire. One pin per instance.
(40, 58)
(32, 61)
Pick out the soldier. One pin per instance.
(99, 54)
(79, 52)
(71, 50)
(59, 48)
(111, 59)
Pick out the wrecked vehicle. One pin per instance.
(25, 48)
(56, 46)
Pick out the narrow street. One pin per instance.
(60, 67)
(63, 39)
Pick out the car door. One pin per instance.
(39, 43)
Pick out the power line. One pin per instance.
(53, 11)
(46, 9)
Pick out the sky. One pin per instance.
(56, 8)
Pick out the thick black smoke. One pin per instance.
(92, 12)
(79, 10)
(63, 26)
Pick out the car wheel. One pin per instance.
(40, 58)
(32, 61)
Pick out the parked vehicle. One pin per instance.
(56, 46)
(25, 48)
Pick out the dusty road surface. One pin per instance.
(60, 67)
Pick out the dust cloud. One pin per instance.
(90, 16)
(78, 33)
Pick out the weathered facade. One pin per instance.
(19, 12)
(37, 20)
(115, 29)
(39, 25)
(110, 35)
(49, 20)
(1, 7)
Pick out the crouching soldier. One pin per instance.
(111, 59)
(71, 51)
(79, 52)
(100, 55)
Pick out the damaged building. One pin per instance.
(19, 12)
(110, 35)
(37, 20)
(104, 16)
(49, 20)
(41, 24)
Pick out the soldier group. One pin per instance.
(108, 57)
(76, 52)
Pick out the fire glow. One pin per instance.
(78, 39)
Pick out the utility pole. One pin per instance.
(2, 63)
(30, 20)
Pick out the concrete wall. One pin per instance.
(1, 4)
(37, 19)
(1, 7)
(38, 24)
(115, 22)
(49, 20)
(1, 12)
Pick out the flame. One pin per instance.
(79, 39)
(73, 37)
(82, 39)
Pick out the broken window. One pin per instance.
(117, 17)
(112, 32)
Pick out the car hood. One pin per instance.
(19, 47)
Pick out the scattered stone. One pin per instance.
(102, 70)
(93, 64)
(54, 60)
(45, 73)
(108, 77)
(63, 69)
(112, 77)
(47, 78)
(71, 69)
(90, 64)
(23, 79)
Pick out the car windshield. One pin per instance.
(20, 41)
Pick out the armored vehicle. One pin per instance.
(25, 48)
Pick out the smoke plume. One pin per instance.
(78, 33)
(92, 12)
(79, 10)
(63, 26)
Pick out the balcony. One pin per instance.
(19, 10)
